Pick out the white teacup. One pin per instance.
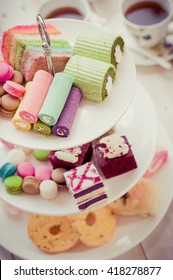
(77, 9)
(147, 28)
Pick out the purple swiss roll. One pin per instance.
(65, 121)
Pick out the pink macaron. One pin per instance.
(25, 169)
(14, 88)
(6, 71)
(43, 173)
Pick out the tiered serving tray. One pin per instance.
(130, 230)
(140, 126)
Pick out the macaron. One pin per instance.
(9, 103)
(6, 71)
(13, 184)
(25, 169)
(17, 77)
(14, 88)
(48, 189)
(2, 91)
(7, 170)
(31, 185)
(16, 156)
(57, 175)
(41, 154)
(43, 173)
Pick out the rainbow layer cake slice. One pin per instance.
(72, 157)
(86, 185)
(22, 48)
(114, 155)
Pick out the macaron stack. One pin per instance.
(11, 89)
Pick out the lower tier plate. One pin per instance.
(140, 127)
(130, 230)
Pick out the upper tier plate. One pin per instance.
(92, 119)
(140, 126)
(130, 231)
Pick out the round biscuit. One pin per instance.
(95, 228)
(52, 234)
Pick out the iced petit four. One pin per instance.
(100, 45)
(114, 155)
(94, 77)
(86, 185)
(72, 157)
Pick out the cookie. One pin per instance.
(95, 228)
(52, 234)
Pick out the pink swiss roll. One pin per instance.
(35, 96)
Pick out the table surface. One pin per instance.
(159, 85)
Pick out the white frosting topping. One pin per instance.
(109, 84)
(115, 146)
(118, 53)
(70, 155)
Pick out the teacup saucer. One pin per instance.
(116, 25)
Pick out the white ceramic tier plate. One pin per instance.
(116, 23)
(130, 230)
(92, 118)
(140, 126)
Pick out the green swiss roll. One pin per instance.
(101, 45)
(94, 77)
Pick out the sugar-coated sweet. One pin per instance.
(7, 169)
(13, 184)
(57, 175)
(41, 155)
(16, 156)
(25, 169)
(43, 173)
(31, 185)
(48, 189)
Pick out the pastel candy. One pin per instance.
(35, 96)
(56, 98)
(94, 77)
(65, 121)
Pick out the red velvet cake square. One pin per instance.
(114, 156)
(72, 157)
